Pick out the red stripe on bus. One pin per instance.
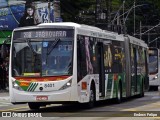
(41, 79)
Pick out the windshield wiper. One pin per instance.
(30, 46)
(53, 45)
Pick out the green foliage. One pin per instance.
(70, 8)
(148, 14)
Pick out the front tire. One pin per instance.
(92, 99)
(34, 106)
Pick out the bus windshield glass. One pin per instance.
(153, 61)
(42, 56)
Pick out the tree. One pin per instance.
(70, 8)
(148, 14)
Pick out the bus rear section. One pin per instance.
(154, 68)
(41, 66)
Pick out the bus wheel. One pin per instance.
(34, 106)
(119, 93)
(92, 99)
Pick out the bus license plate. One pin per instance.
(41, 98)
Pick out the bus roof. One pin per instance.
(81, 28)
(90, 31)
(137, 41)
(71, 24)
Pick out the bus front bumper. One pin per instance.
(17, 96)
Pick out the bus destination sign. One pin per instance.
(43, 34)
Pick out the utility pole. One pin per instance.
(151, 28)
(134, 18)
(97, 11)
(100, 14)
(109, 14)
(156, 44)
(148, 31)
(154, 40)
(123, 10)
(140, 25)
(148, 38)
(49, 11)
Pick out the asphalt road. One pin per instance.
(147, 107)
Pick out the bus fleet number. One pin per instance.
(48, 85)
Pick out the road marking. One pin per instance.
(130, 109)
(2, 103)
(6, 103)
(13, 109)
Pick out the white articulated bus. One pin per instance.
(68, 62)
(154, 68)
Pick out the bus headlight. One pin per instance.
(155, 77)
(16, 86)
(68, 84)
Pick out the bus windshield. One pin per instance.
(42, 57)
(153, 61)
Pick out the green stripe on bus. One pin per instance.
(35, 86)
(30, 87)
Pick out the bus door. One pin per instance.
(101, 69)
(135, 70)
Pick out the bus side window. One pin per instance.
(79, 56)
